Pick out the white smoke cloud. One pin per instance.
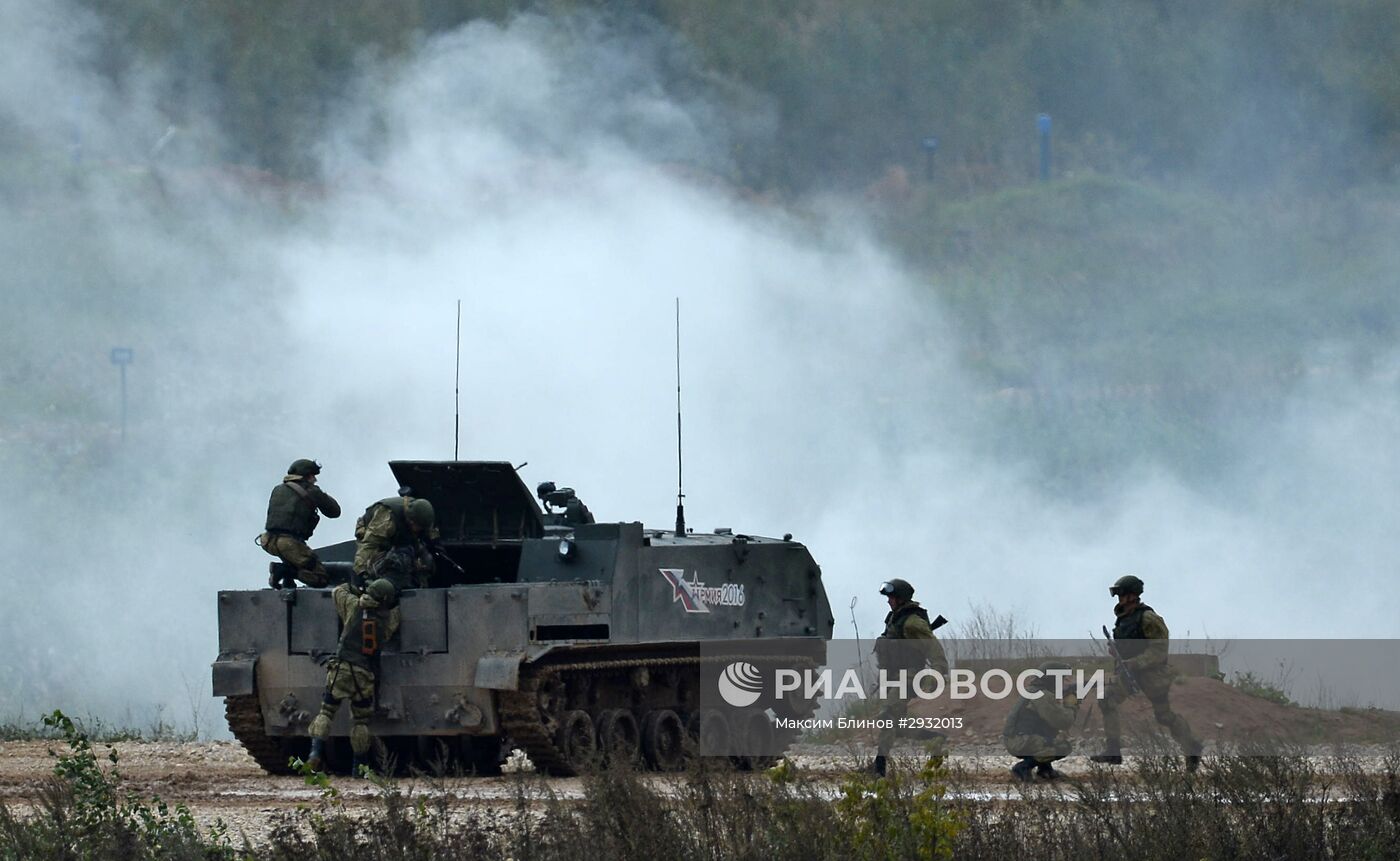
(543, 174)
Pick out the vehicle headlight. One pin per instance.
(567, 550)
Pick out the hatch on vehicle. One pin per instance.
(475, 501)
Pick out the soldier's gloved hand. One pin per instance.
(1071, 700)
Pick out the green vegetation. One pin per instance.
(96, 729)
(1219, 232)
(1244, 807)
(1256, 686)
(1114, 321)
(1237, 92)
(87, 813)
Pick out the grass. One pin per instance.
(1236, 806)
(96, 729)
(1256, 686)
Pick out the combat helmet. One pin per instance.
(901, 589)
(383, 592)
(1128, 584)
(304, 467)
(420, 514)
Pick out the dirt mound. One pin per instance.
(1216, 711)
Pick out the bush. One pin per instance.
(1256, 686)
(85, 812)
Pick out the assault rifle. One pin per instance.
(887, 653)
(1119, 665)
(441, 556)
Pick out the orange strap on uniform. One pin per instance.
(369, 635)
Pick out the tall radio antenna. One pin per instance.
(680, 474)
(457, 390)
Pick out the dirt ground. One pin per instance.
(217, 779)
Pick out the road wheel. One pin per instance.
(619, 737)
(574, 738)
(663, 740)
(708, 732)
(757, 740)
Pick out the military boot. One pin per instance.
(879, 765)
(280, 575)
(317, 757)
(1113, 754)
(355, 762)
(1022, 770)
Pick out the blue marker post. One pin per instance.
(1042, 126)
(930, 146)
(121, 357)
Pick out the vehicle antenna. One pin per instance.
(680, 475)
(457, 390)
(860, 658)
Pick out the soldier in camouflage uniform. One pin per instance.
(906, 621)
(293, 511)
(1036, 729)
(396, 523)
(1141, 638)
(368, 620)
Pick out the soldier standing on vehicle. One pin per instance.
(1141, 640)
(368, 620)
(292, 514)
(1036, 729)
(907, 620)
(392, 523)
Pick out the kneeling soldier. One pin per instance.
(1036, 729)
(293, 511)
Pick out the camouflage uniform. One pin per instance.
(368, 620)
(908, 622)
(385, 526)
(1036, 729)
(293, 511)
(1141, 638)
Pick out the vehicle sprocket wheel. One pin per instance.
(551, 698)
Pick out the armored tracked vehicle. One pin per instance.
(573, 640)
